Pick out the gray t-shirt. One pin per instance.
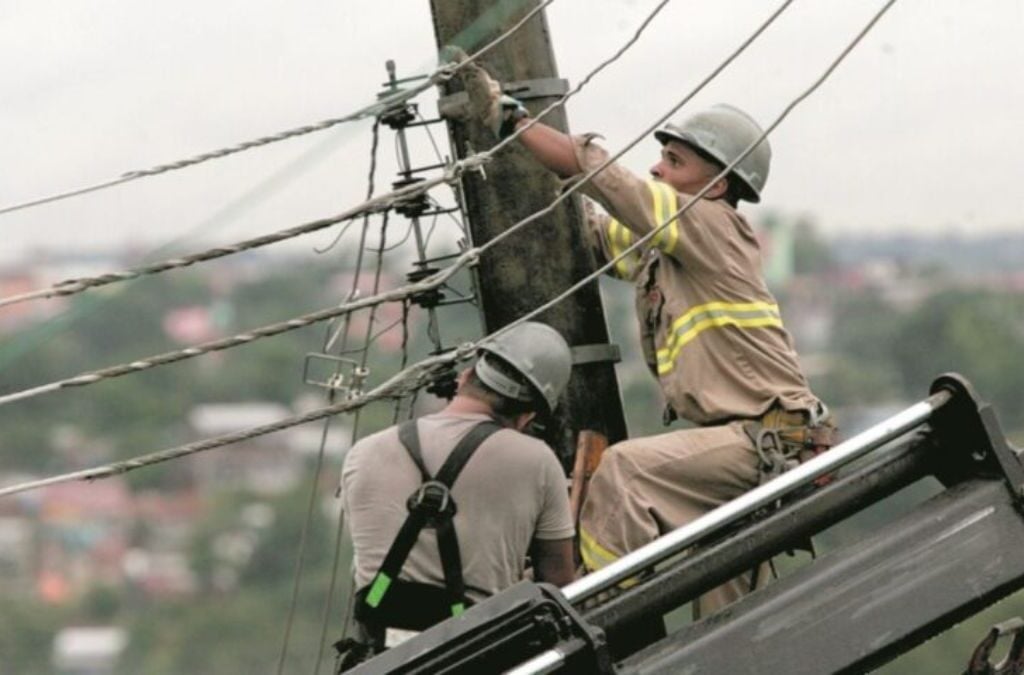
(511, 491)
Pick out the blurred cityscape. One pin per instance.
(188, 566)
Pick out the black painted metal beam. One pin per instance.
(861, 606)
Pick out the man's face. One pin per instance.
(683, 169)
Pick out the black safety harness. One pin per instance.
(390, 602)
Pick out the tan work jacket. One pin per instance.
(711, 330)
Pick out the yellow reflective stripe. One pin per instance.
(619, 239)
(658, 201)
(594, 555)
(714, 315)
(665, 203)
(673, 227)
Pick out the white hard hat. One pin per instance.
(724, 132)
(534, 350)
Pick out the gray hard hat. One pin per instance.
(537, 352)
(724, 132)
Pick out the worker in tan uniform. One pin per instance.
(711, 330)
(444, 510)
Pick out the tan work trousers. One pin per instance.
(647, 487)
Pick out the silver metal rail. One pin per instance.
(680, 539)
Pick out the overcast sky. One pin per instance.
(919, 130)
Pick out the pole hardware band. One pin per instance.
(596, 353)
(456, 106)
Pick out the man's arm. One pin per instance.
(503, 114)
(553, 561)
(549, 146)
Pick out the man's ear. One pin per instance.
(719, 188)
(462, 378)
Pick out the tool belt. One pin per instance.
(784, 438)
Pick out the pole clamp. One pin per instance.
(456, 106)
(596, 353)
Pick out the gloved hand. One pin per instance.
(499, 112)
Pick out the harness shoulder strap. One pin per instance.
(465, 448)
(447, 541)
(410, 439)
(448, 545)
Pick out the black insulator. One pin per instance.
(398, 118)
(444, 386)
(412, 206)
(425, 299)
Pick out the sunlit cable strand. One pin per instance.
(441, 74)
(374, 144)
(426, 369)
(300, 558)
(299, 565)
(371, 320)
(342, 330)
(73, 286)
(372, 205)
(430, 283)
(348, 307)
(578, 184)
(400, 384)
(589, 76)
(406, 306)
(331, 586)
(641, 241)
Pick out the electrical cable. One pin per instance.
(372, 205)
(331, 586)
(374, 143)
(434, 280)
(300, 559)
(419, 370)
(95, 376)
(641, 241)
(401, 384)
(452, 173)
(382, 105)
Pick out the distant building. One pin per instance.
(83, 535)
(88, 650)
(264, 464)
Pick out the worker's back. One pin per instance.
(511, 491)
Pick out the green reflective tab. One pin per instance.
(380, 586)
(458, 608)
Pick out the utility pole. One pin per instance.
(549, 255)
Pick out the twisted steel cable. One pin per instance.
(444, 72)
(424, 370)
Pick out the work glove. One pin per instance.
(497, 111)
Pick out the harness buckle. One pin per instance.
(433, 497)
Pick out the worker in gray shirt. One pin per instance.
(444, 510)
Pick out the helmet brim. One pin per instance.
(748, 193)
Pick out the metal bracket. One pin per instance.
(596, 353)
(1013, 664)
(349, 383)
(546, 87)
(969, 422)
(456, 106)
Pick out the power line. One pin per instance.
(372, 205)
(640, 242)
(423, 370)
(73, 286)
(400, 384)
(435, 280)
(92, 377)
(441, 74)
(585, 178)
